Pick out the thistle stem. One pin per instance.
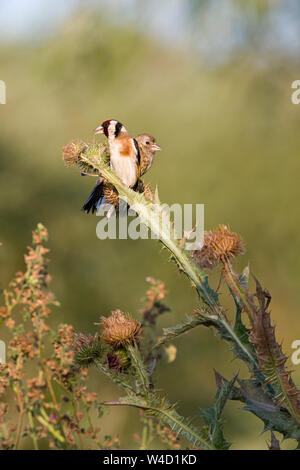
(146, 213)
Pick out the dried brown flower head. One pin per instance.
(111, 194)
(119, 329)
(72, 151)
(219, 245)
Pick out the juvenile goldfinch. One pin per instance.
(148, 147)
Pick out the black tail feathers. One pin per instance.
(94, 200)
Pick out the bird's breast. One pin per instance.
(125, 168)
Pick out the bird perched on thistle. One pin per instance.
(148, 148)
(129, 159)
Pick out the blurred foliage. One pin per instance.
(234, 128)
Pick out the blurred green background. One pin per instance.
(212, 81)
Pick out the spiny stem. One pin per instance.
(139, 367)
(169, 416)
(198, 278)
(115, 377)
(44, 421)
(237, 289)
(146, 433)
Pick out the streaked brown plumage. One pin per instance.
(148, 147)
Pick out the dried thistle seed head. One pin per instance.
(219, 245)
(120, 329)
(72, 151)
(111, 194)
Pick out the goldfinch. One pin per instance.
(148, 147)
(124, 152)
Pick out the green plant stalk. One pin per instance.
(146, 433)
(32, 430)
(139, 366)
(231, 279)
(141, 206)
(114, 377)
(51, 429)
(173, 420)
(143, 209)
(235, 338)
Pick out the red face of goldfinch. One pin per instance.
(124, 151)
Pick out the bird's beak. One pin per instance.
(156, 147)
(99, 130)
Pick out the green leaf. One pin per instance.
(190, 322)
(260, 403)
(213, 415)
(274, 417)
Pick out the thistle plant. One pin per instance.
(270, 392)
(45, 399)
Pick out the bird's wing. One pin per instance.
(138, 157)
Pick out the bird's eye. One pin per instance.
(148, 143)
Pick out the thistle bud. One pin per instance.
(87, 348)
(111, 194)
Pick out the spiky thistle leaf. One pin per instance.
(190, 322)
(274, 444)
(275, 418)
(272, 361)
(213, 415)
